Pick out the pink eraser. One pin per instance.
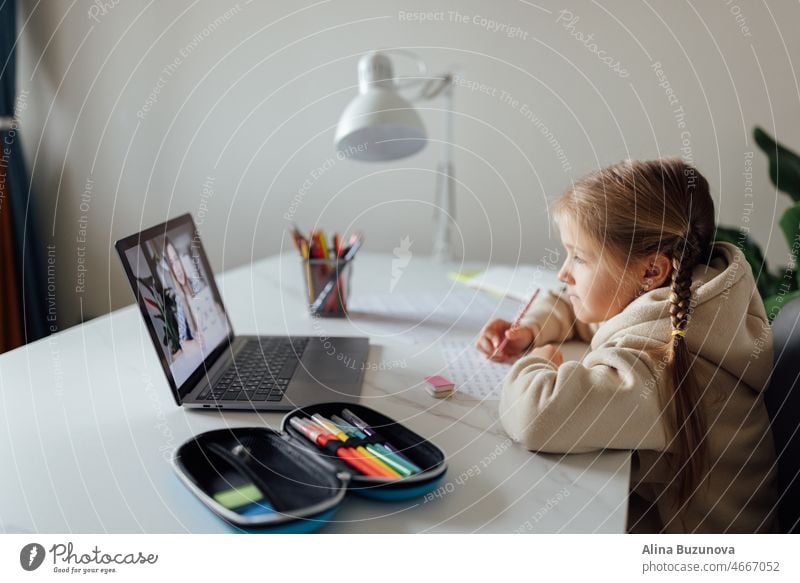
(439, 381)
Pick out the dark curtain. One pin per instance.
(23, 305)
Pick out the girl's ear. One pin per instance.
(657, 272)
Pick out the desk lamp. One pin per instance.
(381, 125)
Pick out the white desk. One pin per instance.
(87, 425)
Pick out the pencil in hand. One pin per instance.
(515, 324)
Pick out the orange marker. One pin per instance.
(348, 454)
(378, 467)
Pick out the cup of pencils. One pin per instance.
(327, 270)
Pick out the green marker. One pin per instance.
(376, 449)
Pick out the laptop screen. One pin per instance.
(178, 297)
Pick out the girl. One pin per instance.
(189, 327)
(673, 320)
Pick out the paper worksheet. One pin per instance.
(472, 373)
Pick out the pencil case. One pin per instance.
(256, 478)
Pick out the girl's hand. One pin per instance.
(492, 335)
(549, 352)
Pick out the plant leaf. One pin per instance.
(742, 240)
(774, 304)
(784, 165)
(766, 282)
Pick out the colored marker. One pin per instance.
(365, 456)
(316, 436)
(342, 436)
(348, 454)
(396, 467)
(376, 448)
(348, 427)
(362, 425)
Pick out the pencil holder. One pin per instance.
(327, 286)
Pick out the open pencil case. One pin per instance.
(279, 481)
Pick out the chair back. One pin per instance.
(783, 405)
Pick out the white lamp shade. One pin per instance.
(379, 124)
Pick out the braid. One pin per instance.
(683, 260)
(688, 423)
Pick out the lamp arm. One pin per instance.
(422, 68)
(434, 87)
(431, 87)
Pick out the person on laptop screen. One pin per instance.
(181, 304)
(187, 321)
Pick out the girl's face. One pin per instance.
(597, 291)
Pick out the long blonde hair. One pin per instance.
(632, 210)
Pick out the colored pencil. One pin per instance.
(516, 322)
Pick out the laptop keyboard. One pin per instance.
(261, 371)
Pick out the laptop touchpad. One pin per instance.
(335, 359)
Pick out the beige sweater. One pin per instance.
(611, 398)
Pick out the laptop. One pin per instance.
(206, 364)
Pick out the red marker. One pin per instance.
(317, 425)
(348, 454)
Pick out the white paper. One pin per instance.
(473, 373)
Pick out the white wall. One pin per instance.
(250, 110)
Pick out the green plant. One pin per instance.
(166, 308)
(782, 286)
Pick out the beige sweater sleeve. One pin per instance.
(552, 320)
(610, 400)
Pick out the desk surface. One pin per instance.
(90, 425)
